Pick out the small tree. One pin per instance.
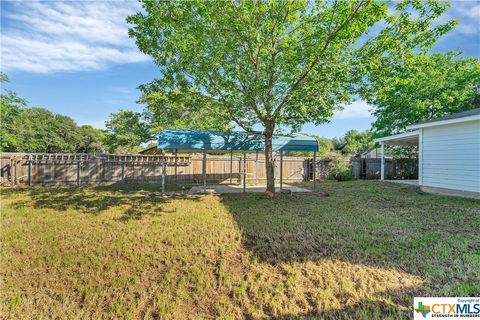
(355, 142)
(276, 63)
(126, 130)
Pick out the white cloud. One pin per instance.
(469, 9)
(357, 109)
(468, 15)
(47, 37)
(99, 124)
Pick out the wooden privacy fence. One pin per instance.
(33, 169)
(394, 168)
(361, 168)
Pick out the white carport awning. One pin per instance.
(409, 138)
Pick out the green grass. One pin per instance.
(357, 249)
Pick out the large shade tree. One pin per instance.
(277, 64)
(422, 88)
(181, 109)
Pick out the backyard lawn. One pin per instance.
(358, 249)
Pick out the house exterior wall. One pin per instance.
(450, 156)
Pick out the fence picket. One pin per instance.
(22, 168)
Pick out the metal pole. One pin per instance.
(281, 171)
(176, 171)
(231, 166)
(315, 171)
(78, 173)
(29, 172)
(15, 168)
(204, 171)
(164, 171)
(123, 171)
(244, 172)
(12, 183)
(256, 169)
(382, 165)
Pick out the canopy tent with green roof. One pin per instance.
(239, 141)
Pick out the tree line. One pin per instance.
(34, 129)
(24, 129)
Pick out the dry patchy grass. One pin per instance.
(354, 250)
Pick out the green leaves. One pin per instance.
(356, 142)
(280, 62)
(181, 109)
(420, 88)
(126, 130)
(283, 61)
(24, 129)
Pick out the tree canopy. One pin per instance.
(24, 129)
(422, 88)
(127, 130)
(175, 109)
(355, 143)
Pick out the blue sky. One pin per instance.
(75, 58)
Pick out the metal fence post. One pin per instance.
(204, 171)
(164, 171)
(231, 166)
(244, 172)
(29, 172)
(78, 173)
(281, 171)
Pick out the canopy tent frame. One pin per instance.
(212, 141)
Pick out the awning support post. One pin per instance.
(255, 168)
(204, 171)
(244, 172)
(315, 171)
(281, 171)
(176, 163)
(231, 166)
(382, 164)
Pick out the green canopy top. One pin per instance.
(240, 141)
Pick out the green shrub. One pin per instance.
(339, 169)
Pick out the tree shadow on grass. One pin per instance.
(370, 224)
(381, 228)
(133, 200)
(366, 309)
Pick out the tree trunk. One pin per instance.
(269, 163)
